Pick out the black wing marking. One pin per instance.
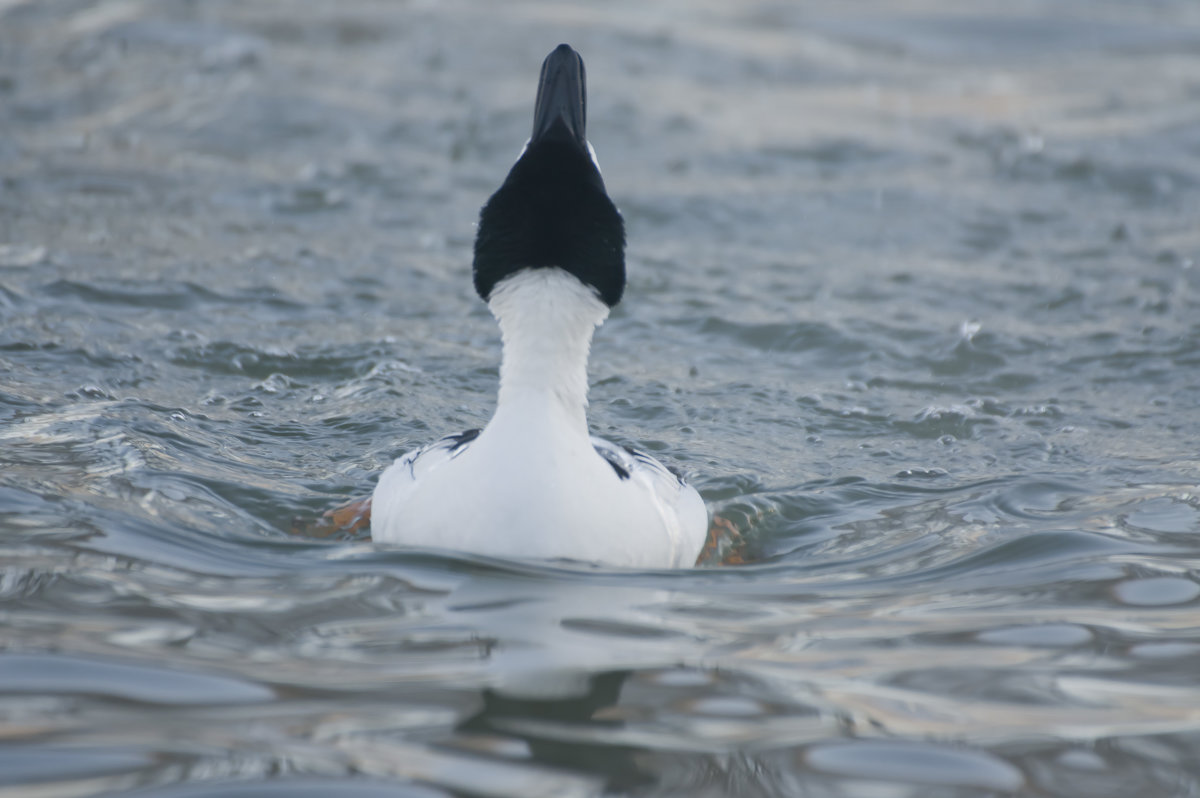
(650, 462)
(610, 457)
(451, 446)
(461, 440)
(626, 460)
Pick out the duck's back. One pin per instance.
(587, 500)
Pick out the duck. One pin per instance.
(533, 483)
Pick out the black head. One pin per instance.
(552, 209)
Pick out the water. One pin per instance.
(914, 299)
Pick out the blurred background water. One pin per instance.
(914, 300)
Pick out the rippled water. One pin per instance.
(914, 299)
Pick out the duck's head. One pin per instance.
(553, 210)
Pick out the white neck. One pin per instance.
(547, 318)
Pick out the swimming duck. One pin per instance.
(550, 264)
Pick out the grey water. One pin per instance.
(914, 301)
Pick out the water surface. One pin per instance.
(914, 300)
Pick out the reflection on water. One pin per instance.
(913, 299)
